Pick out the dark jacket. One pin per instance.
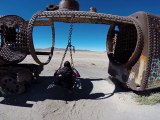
(65, 77)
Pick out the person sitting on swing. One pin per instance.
(65, 76)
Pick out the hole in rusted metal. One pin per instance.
(121, 43)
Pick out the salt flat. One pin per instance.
(98, 98)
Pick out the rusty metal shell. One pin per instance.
(13, 47)
(69, 5)
(30, 39)
(145, 73)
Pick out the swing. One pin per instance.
(71, 48)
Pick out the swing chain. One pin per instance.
(69, 46)
(70, 42)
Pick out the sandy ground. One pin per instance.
(97, 99)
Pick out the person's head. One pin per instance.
(67, 64)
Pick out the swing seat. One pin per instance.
(75, 73)
(60, 80)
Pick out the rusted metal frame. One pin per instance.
(137, 52)
(42, 53)
(76, 20)
(144, 81)
(81, 17)
(153, 47)
(30, 39)
(109, 37)
(65, 16)
(11, 21)
(85, 17)
(139, 46)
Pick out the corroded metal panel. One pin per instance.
(154, 51)
(144, 73)
(65, 16)
(132, 42)
(125, 44)
(14, 47)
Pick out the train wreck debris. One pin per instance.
(132, 42)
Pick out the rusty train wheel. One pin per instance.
(10, 85)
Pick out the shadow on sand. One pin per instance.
(40, 92)
(119, 87)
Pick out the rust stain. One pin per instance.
(142, 68)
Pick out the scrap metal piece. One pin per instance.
(65, 16)
(30, 39)
(132, 42)
(69, 5)
(153, 67)
(144, 71)
(14, 47)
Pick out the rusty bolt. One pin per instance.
(92, 9)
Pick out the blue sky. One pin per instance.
(85, 36)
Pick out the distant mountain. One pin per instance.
(57, 49)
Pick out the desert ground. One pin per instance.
(97, 98)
